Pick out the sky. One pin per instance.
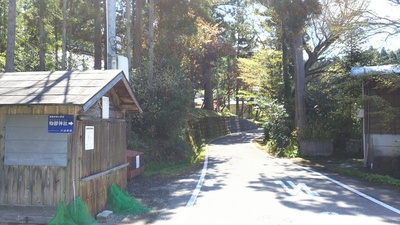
(385, 8)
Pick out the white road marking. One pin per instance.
(297, 188)
(354, 191)
(196, 191)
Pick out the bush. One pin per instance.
(160, 130)
(278, 133)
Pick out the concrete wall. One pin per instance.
(316, 147)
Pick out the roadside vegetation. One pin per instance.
(349, 167)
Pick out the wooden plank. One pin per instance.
(38, 183)
(13, 185)
(97, 175)
(103, 92)
(26, 214)
(24, 190)
(2, 172)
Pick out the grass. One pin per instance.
(168, 170)
(174, 169)
(348, 167)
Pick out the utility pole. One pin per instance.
(110, 33)
(128, 33)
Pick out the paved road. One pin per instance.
(242, 185)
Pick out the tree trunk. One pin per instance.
(208, 95)
(64, 37)
(97, 35)
(57, 46)
(237, 98)
(228, 81)
(300, 114)
(285, 65)
(150, 78)
(138, 33)
(12, 10)
(128, 34)
(105, 41)
(42, 38)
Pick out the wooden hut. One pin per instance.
(381, 134)
(62, 136)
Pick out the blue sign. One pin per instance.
(61, 124)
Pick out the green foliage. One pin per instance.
(263, 72)
(295, 13)
(32, 16)
(334, 97)
(159, 130)
(383, 108)
(278, 131)
(375, 178)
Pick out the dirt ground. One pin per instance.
(152, 192)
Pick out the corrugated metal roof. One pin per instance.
(375, 70)
(65, 88)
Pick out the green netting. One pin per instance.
(62, 216)
(120, 202)
(79, 213)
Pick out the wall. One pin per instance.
(316, 147)
(32, 185)
(384, 144)
(48, 185)
(99, 168)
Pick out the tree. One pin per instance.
(339, 21)
(138, 34)
(237, 26)
(97, 35)
(213, 50)
(295, 15)
(385, 24)
(11, 36)
(263, 72)
(180, 40)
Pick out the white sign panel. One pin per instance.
(106, 107)
(137, 162)
(89, 137)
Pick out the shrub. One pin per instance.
(278, 131)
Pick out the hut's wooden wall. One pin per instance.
(103, 166)
(32, 185)
(90, 172)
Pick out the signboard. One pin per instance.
(106, 107)
(89, 137)
(60, 123)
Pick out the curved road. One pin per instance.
(241, 185)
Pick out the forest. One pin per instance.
(289, 60)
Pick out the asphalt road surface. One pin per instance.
(240, 184)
